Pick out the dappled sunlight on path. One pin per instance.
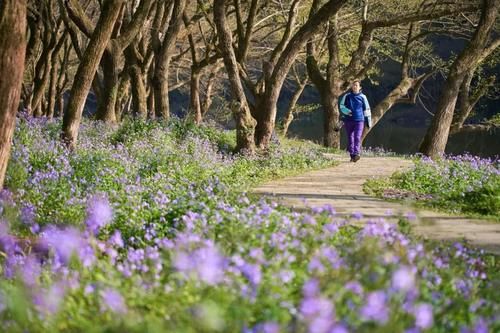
(342, 188)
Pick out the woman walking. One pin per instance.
(356, 113)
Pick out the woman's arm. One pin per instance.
(343, 107)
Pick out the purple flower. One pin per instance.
(252, 273)
(99, 213)
(183, 262)
(28, 214)
(35, 228)
(403, 279)
(412, 330)
(89, 289)
(209, 265)
(411, 216)
(423, 315)
(320, 324)
(206, 263)
(355, 287)
(339, 328)
(310, 288)
(116, 239)
(332, 228)
(87, 256)
(316, 265)
(286, 276)
(332, 256)
(267, 327)
(30, 270)
(49, 301)
(480, 326)
(65, 242)
(319, 314)
(375, 307)
(357, 215)
(113, 301)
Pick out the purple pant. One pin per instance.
(354, 131)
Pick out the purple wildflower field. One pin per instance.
(148, 229)
(461, 184)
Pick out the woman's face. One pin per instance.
(356, 87)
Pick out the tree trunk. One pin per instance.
(122, 97)
(87, 69)
(245, 124)
(139, 96)
(208, 93)
(163, 58)
(160, 88)
(35, 41)
(151, 103)
(288, 118)
(330, 101)
(107, 106)
(435, 140)
(37, 112)
(48, 60)
(41, 81)
(12, 56)
(62, 80)
(51, 104)
(266, 117)
(194, 103)
(386, 104)
(60, 105)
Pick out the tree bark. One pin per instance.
(60, 105)
(51, 103)
(139, 95)
(122, 99)
(12, 57)
(194, 104)
(389, 101)
(107, 106)
(87, 69)
(288, 118)
(245, 124)
(435, 140)
(207, 102)
(329, 99)
(163, 57)
(42, 77)
(62, 80)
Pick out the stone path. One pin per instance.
(341, 187)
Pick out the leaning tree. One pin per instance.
(477, 49)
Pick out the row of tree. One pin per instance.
(131, 54)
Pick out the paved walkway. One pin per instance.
(341, 187)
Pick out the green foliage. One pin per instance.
(133, 130)
(459, 184)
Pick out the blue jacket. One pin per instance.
(356, 107)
